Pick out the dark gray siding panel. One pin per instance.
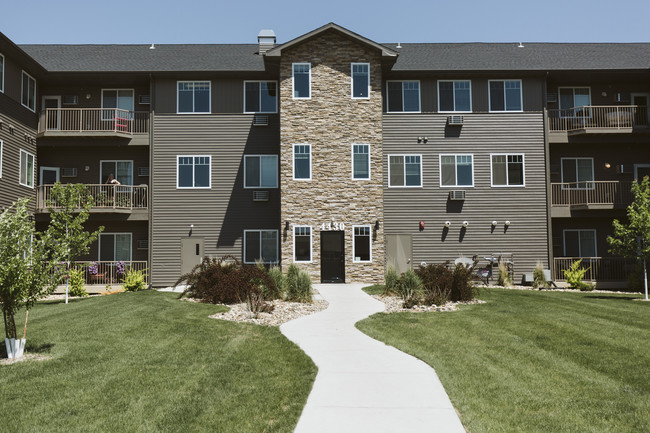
(227, 96)
(220, 214)
(165, 96)
(481, 135)
(533, 94)
(12, 143)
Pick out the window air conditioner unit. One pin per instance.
(260, 120)
(143, 171)
(260, 196)
(623, 168)
(70, 100)
(455, 120)
(143, 244)
(69, 172)
(457, 195)
(144, 99)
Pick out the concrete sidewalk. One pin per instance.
(362, 384)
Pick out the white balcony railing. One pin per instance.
(598, 117)
(93, 120)
(614, 193)
(104, 272)
(103, 196)
(599, 268)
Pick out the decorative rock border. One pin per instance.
(283, 312)
(394, 305)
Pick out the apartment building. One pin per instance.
(333, 151)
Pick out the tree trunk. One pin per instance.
(10, 324)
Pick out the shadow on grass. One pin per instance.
(62, 301)
(29, 348)
(627, 297)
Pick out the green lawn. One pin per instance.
(148, 362)
(535, 361)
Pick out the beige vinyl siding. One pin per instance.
(481, 135)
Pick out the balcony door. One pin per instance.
(641, 171)
(121, 170)
(49, 175)
(51, 113)
(641, 101)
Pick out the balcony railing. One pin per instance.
(613, 193)
(118, 197)
(104, 272)
(600, 268)
(613, 117)
(93, 120)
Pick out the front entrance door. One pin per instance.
(49, 175)
(641, 170)
(52, 117)
(641, 100)
(191, 253)
(332, 257)
(398, 252)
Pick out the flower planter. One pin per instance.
(15, 347)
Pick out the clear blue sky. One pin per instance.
(238, 21)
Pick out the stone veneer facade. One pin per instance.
(331, 121)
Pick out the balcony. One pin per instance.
(93, 122)
(589, 195)
(591, 119)
(103, 273)
(116, 199)
(601, 269)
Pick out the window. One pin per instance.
(580, 243)
(505, 95)
(116, 98)
(456, 170)
(29, 92)
(260, 97)
(114, 247)
(507, 170)
(360, 161)
(26, 169)
(2, 73)
(301, 80)
(454, 96)
(302, 244)
(193, 97)
(578, 173)
(361, 245)
(571, 97)
(261, 245)
(404, 170)
(260, 171)
(193, 171)
(403, 96)
(302, 161)
(360, 80)
(121, 170)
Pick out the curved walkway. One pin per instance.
(362, 384)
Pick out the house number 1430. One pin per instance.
(332, 226)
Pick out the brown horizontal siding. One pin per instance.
(12, 143)
(481, 135)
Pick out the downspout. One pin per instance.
(152, 102)
(547, 173)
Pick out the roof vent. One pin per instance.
(265, 40)
(152, 47)
(521, 45)
(399, 45)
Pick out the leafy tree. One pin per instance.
(633, 239)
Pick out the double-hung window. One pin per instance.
(193, 171)
(507, 169)
(260, 171)
(455, 96)
(302, 244)
(193, 97)
(26, 169)
(403, 96)
(456, 170)
(2, 73)
(360, 161)
(578, 173)
(117, 103)
(404, 170)
(301, 80)
(361, 247)
(115, 247)
(505, 95)
(260, 97)
(29, 91)
(260, 245)
(360, 80)
(302, 161)
(580, 243)
(572, 99)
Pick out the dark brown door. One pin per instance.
(332, 257)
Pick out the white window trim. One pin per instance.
(293, 162)
(521, 97)
(352, 162)
(22, 87)
(419, 96)
(194, 112)
(574, 100)
(116, 90)
(178, 157)
(311, 244)
(99, 245)
(576, 158)
(20, 168)
(293, 88)
(579, 246)
(277, 244)
(455, 165)
(352, 80)
(260, 97)
(102, 179)
(1, 149)
(454, 88)
(261, 187)
(2, 82)
(405, 186)
(523, 170)
(354, 260)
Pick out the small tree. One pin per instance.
(633, 239)
(69, 209)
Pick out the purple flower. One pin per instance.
(120, 268)
(92, 269)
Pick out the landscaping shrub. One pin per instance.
(410, 288)
(463, 288)
(539, 281)
(574, 276)
(256, 304)
(134, 281)
(437, 281)
(391, 280)
(76, 282)
(504, 278)
(275, 273)
(298, 285)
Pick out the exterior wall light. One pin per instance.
(447, 224)
(465, 224)
(421, 225)
(494, 223)
(286, 225)
(507, 223)
(608, 165)
(377, 225)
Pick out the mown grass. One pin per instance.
(535, 361)
(148, 362)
